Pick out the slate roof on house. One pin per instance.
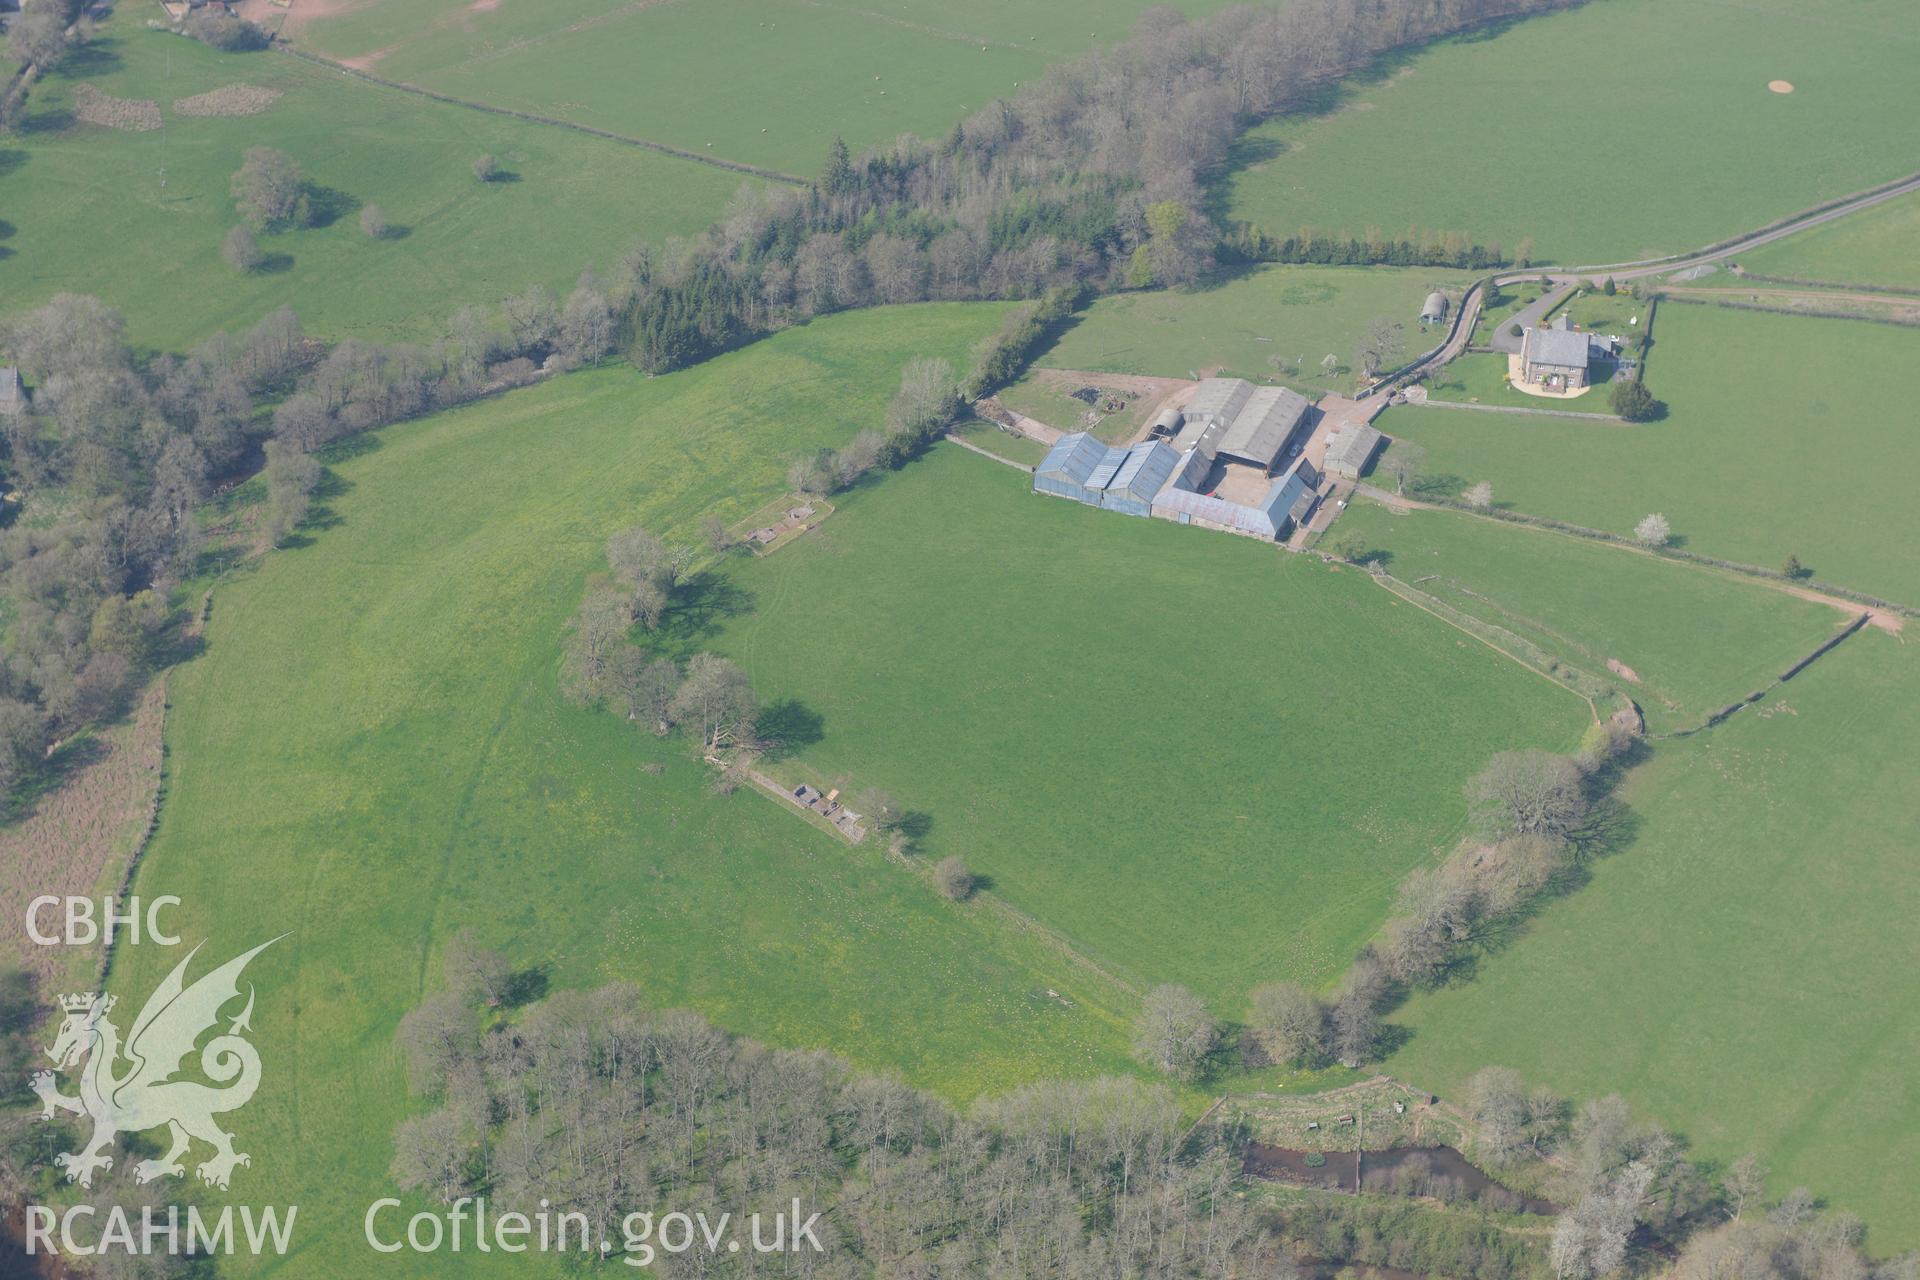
(1561, 348)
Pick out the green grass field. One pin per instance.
(766, 82)
(1293, 315)
(1005, 444)
(89, 213)
(1443, 139)
(1696, 638)
(1782, 438)
(372, 753)
(1202, 759)
(1744, 972)
(1481, 378)
(1880, 245)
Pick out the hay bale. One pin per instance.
(132, 115)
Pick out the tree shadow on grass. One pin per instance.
(352, 447)
(97, 57)
(53, 119)
(700, 607)
(524, 986)
(787, 726)
(327, 205)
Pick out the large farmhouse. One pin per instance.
(1554, 358)
(1559, 358)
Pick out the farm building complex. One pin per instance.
(1218, 472)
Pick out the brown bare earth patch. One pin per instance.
(228, 100)
(133, 115)
(1780, 86)
(1622, 670)
(78, 838)
(290, 19)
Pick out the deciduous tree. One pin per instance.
(1174, 1032)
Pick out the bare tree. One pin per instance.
(486, 168)
(953, 879)
(431, 1037)
(373, 222)
(1528, 793)
(291, 477)
(38, 37)
(1654, 531)
(659, 683)
(1174, 1032)
(430, 1154)
(599, 628)
(269, 191)
(1381, 347)
(1289, 1022)
(477, 974)
(718, 536)
(586, 325)
(1403, 460)
(1480, 496)
(715, 702)
(637, 556)
(1744, 1183)
(241, 249)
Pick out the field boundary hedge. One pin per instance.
(1812, 313)
(1826, 646)
(1668, 553)
(1893, 291)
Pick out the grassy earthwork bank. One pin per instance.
(1780, 438)
(1199, 758)
(1694, 639)
(1743, 971)
(372, 753)
(137, 217)
(1558, 129)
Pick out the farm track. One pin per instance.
(645, 144)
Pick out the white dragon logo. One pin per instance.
(144, 1095)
